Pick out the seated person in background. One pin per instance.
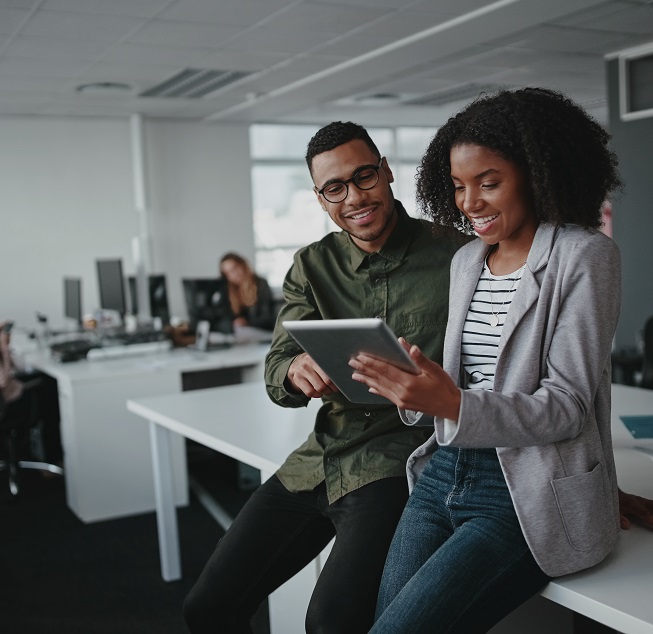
(249, 295)
(10, 387)
(12, 379)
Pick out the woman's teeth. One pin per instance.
(482, 222)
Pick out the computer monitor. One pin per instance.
(208, 300)
(72, 298)
(112, 285)
(156, 285)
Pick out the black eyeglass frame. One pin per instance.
(357, 173)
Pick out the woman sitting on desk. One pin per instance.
(249, 295)
(517, 484)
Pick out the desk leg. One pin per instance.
(164, 495)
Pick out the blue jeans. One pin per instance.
(458, 561)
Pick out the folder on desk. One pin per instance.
(639, 426)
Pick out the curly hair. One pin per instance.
(334, 135)
(562, 151)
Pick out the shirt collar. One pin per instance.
(395, 246)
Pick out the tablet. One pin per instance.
(333, 342)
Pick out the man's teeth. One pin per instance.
(358, 216)
(481, 222)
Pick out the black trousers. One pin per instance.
(276, 534)
(38, 407)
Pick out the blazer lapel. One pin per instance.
(529, 287)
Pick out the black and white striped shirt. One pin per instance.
(480, 341)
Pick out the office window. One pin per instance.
(286, 212)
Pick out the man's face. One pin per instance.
(369, 216)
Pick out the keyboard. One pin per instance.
(132, 338)
(128, 350)
(72, 350)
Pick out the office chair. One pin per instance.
(647, 366)
(16, 418)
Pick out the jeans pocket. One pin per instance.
(580, 499)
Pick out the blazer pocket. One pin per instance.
(581, 503)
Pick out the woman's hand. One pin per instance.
(431, 391)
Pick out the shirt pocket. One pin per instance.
(581, 502)
(425, 330)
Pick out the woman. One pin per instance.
(523, 486)
(11, 388)
(249, 295)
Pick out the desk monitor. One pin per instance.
(112, 285)
(72, 294)
(156, 285)
(208, 300)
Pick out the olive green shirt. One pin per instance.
(406, 283)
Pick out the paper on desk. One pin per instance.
(639, 426)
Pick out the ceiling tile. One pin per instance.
(11, 19)
(108, 71)
(567, 39)
(377, 4)
(152, 54)
(225, 12)
(72, 25)
(183, 34)
(276, 40)
(229, 59)
(321, 18)
(136, 8)
(44, 68)
(48, 48)
(639, 20)
(19, 4)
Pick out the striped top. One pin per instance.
(480, 341)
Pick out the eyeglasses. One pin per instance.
(364, 178)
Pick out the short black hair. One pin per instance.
(563, 152)
(334, 135)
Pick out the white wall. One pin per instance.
(199, 180)
(66, 195)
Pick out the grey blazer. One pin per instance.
(549, 413)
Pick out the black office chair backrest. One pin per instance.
(647, 366)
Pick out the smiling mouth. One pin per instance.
(359, 215)
(479, 223)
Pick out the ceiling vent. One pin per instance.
(194, 83)
(460, 93)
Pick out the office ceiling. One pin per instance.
(380, 62)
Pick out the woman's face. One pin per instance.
(493, 194)
(233, 272)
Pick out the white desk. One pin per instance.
(617, 593)
(107, 456)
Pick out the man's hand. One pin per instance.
(635, 507)
(306, 376)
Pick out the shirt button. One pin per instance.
(368, 413)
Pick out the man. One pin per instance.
(348, 479)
